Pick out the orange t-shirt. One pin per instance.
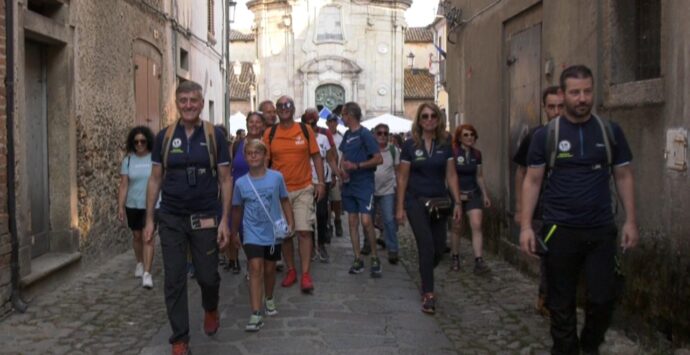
(291, 155)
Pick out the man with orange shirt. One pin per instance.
(291, 146)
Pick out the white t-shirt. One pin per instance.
(324, 146)
(385, 173)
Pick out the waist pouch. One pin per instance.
(437, 207)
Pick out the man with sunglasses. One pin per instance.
(361, 155)
(291, 152)
(384, 192)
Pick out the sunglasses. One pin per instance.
(468, 135)
(284, 106)
(426, 116)
(140, 141)
(382, 133)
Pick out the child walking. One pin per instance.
(257, 194)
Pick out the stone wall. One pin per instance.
(586, 32)
(5, 246)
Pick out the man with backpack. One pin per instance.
(581, 152)
(190, 163)
(292, 147)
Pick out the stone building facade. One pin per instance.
(504, 53)
(5, 240)
(86, 72)
(331, 51)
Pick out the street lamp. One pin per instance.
(410, 60)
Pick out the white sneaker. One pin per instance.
(147, 281)
(139, 270)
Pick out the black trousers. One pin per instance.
(430, 235)
(176, 236)
(322, 219)
(572, 251)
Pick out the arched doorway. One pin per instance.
(330, 95)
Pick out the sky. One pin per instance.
(421, 13)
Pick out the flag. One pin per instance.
(324, 113)
(440, 50)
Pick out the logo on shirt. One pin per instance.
(351, 139)
(299, 140)
(461, 160)
(176, 143)
(418, 152)
(600, 145)
(564, 146)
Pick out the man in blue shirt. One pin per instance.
(579, 229)
(188, 210)
(360, 157)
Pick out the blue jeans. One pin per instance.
(390, 228)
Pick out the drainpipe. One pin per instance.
(17, 302)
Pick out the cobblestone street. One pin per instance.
(106, 311)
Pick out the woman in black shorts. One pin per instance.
(134, 175)
(473, 193)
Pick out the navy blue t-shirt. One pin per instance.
(577, 192)
(427, 169)
(177, 196)
(467, 162)
(358, 147)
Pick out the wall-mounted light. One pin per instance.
(410, 60)
(232, 5)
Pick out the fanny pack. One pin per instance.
(467, 195)
(437, 207)
(281, 230)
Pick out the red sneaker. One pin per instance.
(180, 348)
(211, 322)
(290, 278)
(307, 283)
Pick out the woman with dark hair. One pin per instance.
(134, 176)
(473, 194)
(256, 125)
(426, 168)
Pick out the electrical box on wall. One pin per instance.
(676, 149)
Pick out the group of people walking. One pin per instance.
(285, 179)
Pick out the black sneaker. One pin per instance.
(357, 267)
(323, 254)
(428, 303)
(375, 268)
(338, 228)
(366, 249)
(480, 267)
(393, 257)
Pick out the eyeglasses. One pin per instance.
(253, 152)
(284, 106)
(426, 116)
(140, 141)
(382, 133)
(468, 135)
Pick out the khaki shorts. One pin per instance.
(302, 202)
(334, 192)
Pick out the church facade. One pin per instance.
(329, 52)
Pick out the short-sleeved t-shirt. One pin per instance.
(290, 154)
(520, 157)
(467, 162)
(178, 197)
(577, 192)
(358, 147)
(256, 226)
(239, 163)
(385, 173)
(427, 169)
(137, 169)
(324, 145)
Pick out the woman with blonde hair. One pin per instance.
(426, 168)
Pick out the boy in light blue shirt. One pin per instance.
(260, 244)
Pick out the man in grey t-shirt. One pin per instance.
(384, 192)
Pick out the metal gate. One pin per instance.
(330, 95)
(524, 93)
(37, 147)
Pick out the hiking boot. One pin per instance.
(255, 323)
(139, 270)
(393, 257)
(306, 284)
(290, 278)
(323, 254)
(375, 268)
(480, 267)
(428, 303)
(338, 228)
(147, 281)
(366, 249)
(271, 309)
(180, 348)
(211, 322)
(357, 267)
(455, 262)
